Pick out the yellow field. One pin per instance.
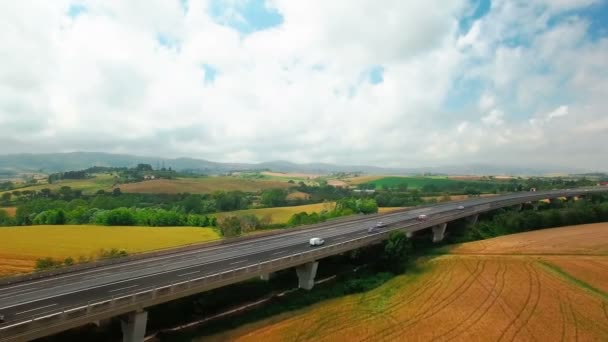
(202, 185)
(282, 214)
(21, 246)
(508, 293)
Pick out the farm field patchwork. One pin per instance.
(202, 185)
(509, 293)
(21, 246)
(88, 186)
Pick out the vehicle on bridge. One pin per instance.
(1, 318)
(422, 217)
(316, 242)
(380, 224)
(460, 207)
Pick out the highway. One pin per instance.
(26, 300)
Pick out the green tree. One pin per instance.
(397, 250)
(229, 226)
(6, 197)
(273, 197)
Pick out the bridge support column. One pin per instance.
(306, 275)
(409, 234)
(519, 207)
(439, 232)
(134, 326)
(473, 218)
(535, 205)
(265, 276)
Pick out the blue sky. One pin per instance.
(408, 83)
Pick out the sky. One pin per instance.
(390, 83)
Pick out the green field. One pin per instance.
(420, 182)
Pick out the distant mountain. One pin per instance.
(58, 162)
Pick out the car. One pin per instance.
(460, 207)
(380, 224)
(371, 229)
(422, 217)
(316, 242)
(1, 318)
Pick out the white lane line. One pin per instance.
(42, 307)
(238, 262)
(185, 274)
(279, 252)
(123, 288)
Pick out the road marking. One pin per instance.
(42, 307)
(185, 274)
(279, 252)
(123, 288)
(238, 262)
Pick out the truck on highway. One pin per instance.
(422, 217)
(316, 242)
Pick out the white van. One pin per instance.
(422, 218)
(316, 241)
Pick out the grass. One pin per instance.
(281, 214)
(21, 246)
(202, 185)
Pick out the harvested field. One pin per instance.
(362, 179)
(587, 239)
(202, 185)
(21, 246)
(282, 214)
(337, 183)
(512, 296)
(11, 211)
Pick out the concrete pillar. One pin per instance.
(473, 218)
(265, 277)
(519, 206)
(306, 275)
(409, 234)
(134, 326)
(439, 232)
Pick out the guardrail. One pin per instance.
(42, 325)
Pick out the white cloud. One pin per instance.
(494, 118)
(102, 81)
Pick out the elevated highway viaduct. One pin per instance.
(44, 306)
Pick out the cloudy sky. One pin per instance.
(389, 83)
